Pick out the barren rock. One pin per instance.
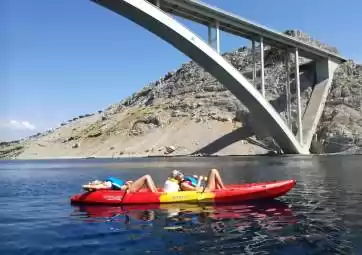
(94, 134)
(170, 149)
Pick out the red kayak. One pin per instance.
(232, 193)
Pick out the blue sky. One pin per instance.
(61, 59)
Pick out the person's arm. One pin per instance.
(97, 185)
(126, 185)
(187, 187)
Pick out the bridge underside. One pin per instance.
(264, 115)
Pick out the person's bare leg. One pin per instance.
(214, 180)
(218, 180)
(144, 180)
(211, 181)
(150, 184)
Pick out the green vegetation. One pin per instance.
(93, 130)
(11, 151)
(142, 111)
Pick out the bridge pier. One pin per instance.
(299, 108)
(262, 66)
(254, 61)
(287, 90)
(324, 70)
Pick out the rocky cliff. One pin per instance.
(340, 129)
(189, 112)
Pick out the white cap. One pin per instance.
(176, 173)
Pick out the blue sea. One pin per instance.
(321, 215)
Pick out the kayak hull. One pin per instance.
(232, 193)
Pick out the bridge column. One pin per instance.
(209, 35)
(254, 61)
(262, 65)
(299, 109)
(217, 37)
(215, 40)
(287, 89)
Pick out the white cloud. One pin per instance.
(19, 125)
(16, 129)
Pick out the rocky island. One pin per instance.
(187, 112)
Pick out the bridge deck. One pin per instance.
(205, 14)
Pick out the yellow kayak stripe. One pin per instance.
(185, 196)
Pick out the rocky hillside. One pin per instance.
(340, 129)
(189, 112)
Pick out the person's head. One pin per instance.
(177, 174)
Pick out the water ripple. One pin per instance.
(321, 215)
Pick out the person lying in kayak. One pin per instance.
(118, 184)
(180, 182)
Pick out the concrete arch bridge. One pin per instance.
(154, 15)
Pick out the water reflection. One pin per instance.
(272, 214)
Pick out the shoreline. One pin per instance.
(181, 156)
